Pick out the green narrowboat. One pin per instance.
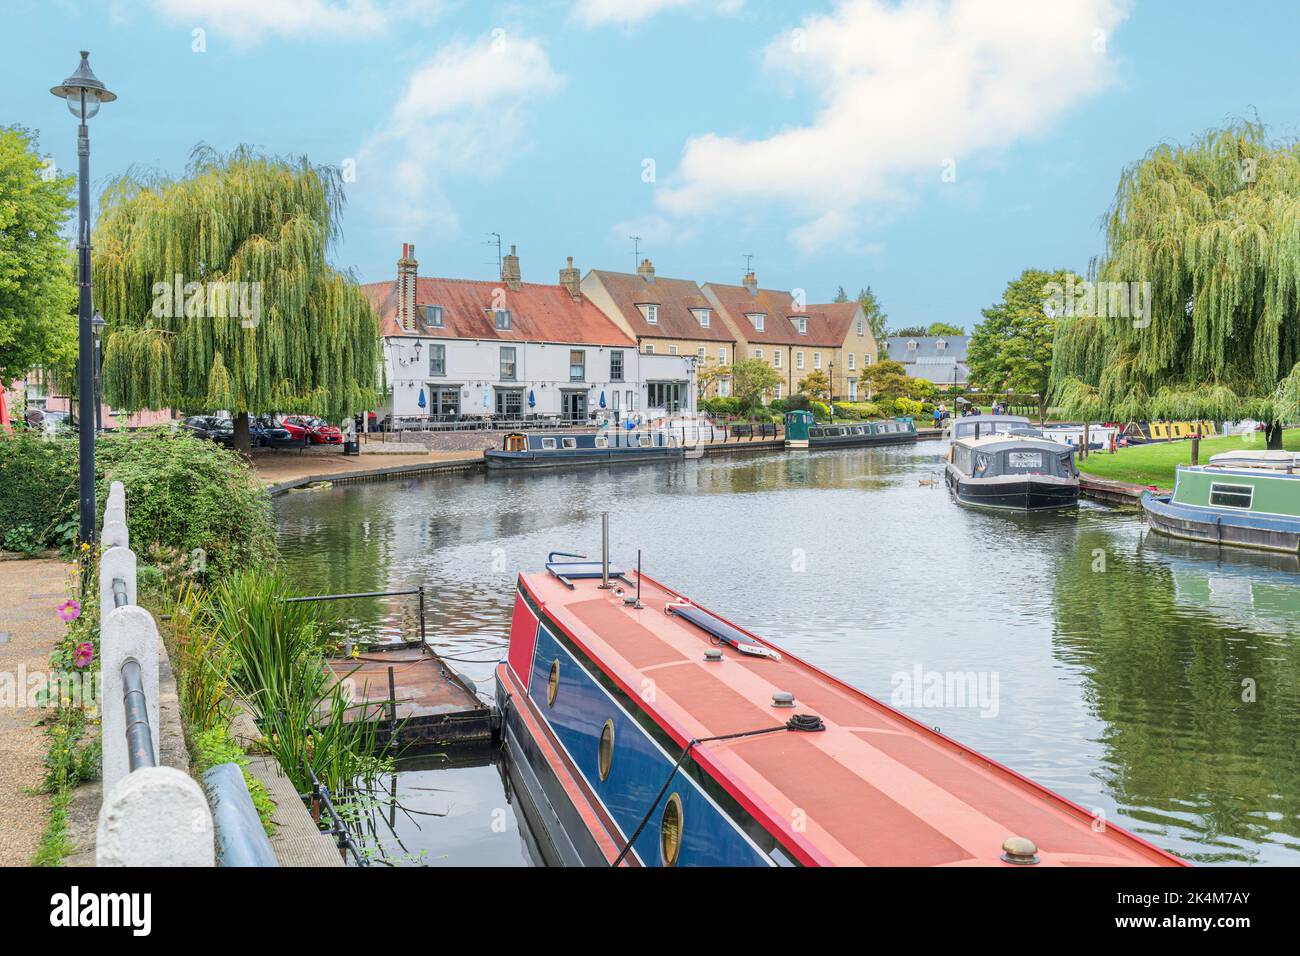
(1246, 499)
(797, 424)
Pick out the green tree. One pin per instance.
(750, 379)
(841, 295)
(909, 331)
(943, 328)
(876, 317)
(1199, 316)
(887, 380)
(816, 385)
(218, 293)
(37, 290)
(1012, 347)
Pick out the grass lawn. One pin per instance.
(1155, 464)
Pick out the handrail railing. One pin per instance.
(139, 736)
(319, 799)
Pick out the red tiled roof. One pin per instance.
(675, 298)
(538, 313)
(827, 324)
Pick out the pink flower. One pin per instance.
(70, 610)
(85, 654)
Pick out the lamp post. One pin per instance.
(97, 325)
(830, 388)
(84, 93)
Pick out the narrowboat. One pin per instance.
(981, 426)
(1246, 499)
(540, 450)
(642, 729)
(1100, 437)
(1147, 433)
(1012, 473)
(801, 431)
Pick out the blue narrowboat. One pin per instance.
(540, 450)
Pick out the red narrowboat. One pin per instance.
(644, 730)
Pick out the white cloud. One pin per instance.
(594, 13)
(903, 89)
(464, 112)
(249, 21)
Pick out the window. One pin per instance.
(776, 360)
(577, 365)
(616, 365)
(911, 345)
(433, 316)
(631, 404)
(801, 323)
(569, 442)
(798, 360)
(437, 360)
(817, 360)
(778, 389)
(853, 361)
(670, 831)
(702, 316)
(649, 349)
(503, 319)
(509, 402)
(758, 318)
(601, 440)
(672, 350)
(605, 754)
(507, 363)
(700, 352)
(443, 400)
(643, 440)
(548, 443)
(941, 344)
(724, 388)
(722, 356)
(1231, 496)
(652, 314)
(553, 681)
(758, 353)
(859, 326)
(866, 358)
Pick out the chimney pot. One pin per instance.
(511, 277)
(407, 269)
(751, 283)
(571, 279)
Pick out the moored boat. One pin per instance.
(1099, 437)
(1245, 498)
(1009, 472)
(643, 729)
(1147, 433)
(615, 446)
(981, 426)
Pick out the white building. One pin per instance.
(511, 349)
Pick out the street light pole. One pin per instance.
(84, 93)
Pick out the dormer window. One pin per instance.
(652, 314)
(941, 344)
(703, 316)
(433, 316)
(503, 319)
(801, 323)
(911, 345)
(758, 318)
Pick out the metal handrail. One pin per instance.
(139, 737)
(320, 797)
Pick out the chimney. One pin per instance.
(646, 270)
(407, 268)
(751, 283)
(510, 274)
(571, 279)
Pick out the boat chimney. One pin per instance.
(638, 579)
(604, 551)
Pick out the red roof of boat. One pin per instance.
(875, 788)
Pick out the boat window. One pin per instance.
(644, 440)
(606, 754)
(570, 442)
(548, 442)
(602, 441)
(670, 831)
(1231, 496)
(858, 430)
(553, 683)
(1024, 460)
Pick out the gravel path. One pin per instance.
(30, 591)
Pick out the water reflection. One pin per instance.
(1120, 656)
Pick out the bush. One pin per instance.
(191, 505)
(821, 411)
(858, 410)
(721, 407)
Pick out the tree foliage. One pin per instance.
(876, 317)
(37, 284)
(218, 293)
(1012, 347)
(815, 385)
(1214, 228)
(887, 380)
(750, 379)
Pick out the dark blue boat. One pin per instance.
(540, 450)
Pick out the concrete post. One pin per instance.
(115, 563)
(156, 816)
(125, 632)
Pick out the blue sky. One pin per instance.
(932, 150)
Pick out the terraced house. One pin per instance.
(664, 316)
(797, 339)
(509, 349)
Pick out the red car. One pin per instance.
(318, 432)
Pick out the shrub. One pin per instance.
(858, 410)
(38, 490)
(721, 407)
(821, 411)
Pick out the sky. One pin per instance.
(930, 149)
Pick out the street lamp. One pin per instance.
(97, 326)
(830, 388)
(84, 93)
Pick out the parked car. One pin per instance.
(317, 430)
(219, 430)
(265, 433)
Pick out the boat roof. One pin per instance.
(875, 788)
(1275, 460)
(1005, 442)
(993, 419)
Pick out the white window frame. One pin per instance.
(704, 317)
(652, 314)
(853, 361)
(1223, 487)
(817, 360)
(548, 444)
(798, 360)
(776, 361)
(758, 353)
(758, 318)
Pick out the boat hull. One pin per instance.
(854, 441)
(565, 458)
(1029, 493)
(1219, 526)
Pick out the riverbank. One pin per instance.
(1156, 464)
(30, 593)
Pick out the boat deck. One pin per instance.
(875, 788)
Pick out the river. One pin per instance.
(1153, 681)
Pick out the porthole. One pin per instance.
(605, 758)
(553, 683)
(670, 831)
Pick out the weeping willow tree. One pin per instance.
(218, 294)
(1193, 311)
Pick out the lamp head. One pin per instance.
(84, 91)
